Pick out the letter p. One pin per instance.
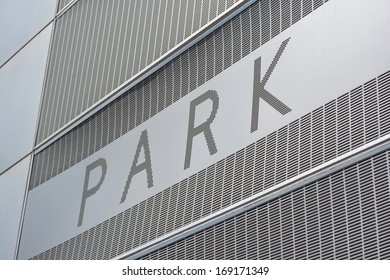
(89, 192)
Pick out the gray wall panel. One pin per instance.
(20, 21)
(13, 185)
(21, 82)
(122, 38)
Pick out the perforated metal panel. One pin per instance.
(306, 224)
(245, 33)
(98, 45)
(343, 216)
(251, 170)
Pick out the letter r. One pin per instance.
(204, 127)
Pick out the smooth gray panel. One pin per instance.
(21, 82)
(12, 190)
(21, 20)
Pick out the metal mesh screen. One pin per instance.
(343, 216)
(237, 38)
(250, 170)
(98, 45)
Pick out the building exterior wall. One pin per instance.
(25, 28)
(207, 130)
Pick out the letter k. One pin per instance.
(259, 90)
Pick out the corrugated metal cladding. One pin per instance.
(343, 216)
(339, 126)
(236, 39)
(98, 45)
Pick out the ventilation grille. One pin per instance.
(237, 38)
(343, 216)
(98, 45)
(348, 122)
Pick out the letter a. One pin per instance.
(136, 168)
